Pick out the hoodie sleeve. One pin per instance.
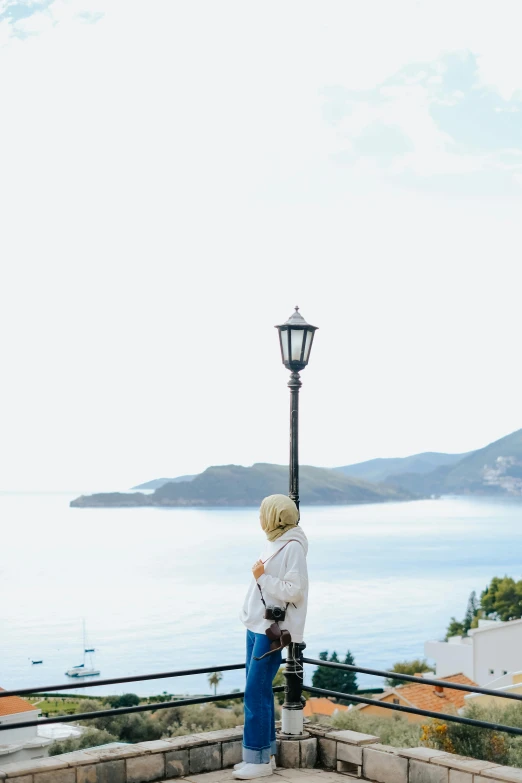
(290, 589)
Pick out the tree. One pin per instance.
(338, 680)
(502, 599)
(471, 611)
(127, 700)
(454, 628)
(416, 666)
(348, 680)
(320, 678)
(487, 599)
(130, 728)
(507, 601)
(214, 679)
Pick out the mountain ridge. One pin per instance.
(380, 468)
(235, 485)
(495, 469)
(374, 470)
(157, 483)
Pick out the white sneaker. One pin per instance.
(243, 764)
(251, 771)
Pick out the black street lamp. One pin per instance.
(295, 337)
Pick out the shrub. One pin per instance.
(91, 705)
(178, 721)
(130, 728)
(89, 739)
(485, 744)
(395, 730)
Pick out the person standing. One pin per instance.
(279, 584)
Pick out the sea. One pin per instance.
(160, 590)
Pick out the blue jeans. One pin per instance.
(259, 740)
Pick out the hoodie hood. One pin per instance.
(295, 533)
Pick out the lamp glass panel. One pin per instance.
(308, 346)
(284, 342)
(298, 336)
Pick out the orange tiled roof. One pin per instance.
(321, 706)
(425, 697)
(13, 704)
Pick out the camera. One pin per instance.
(275, 613)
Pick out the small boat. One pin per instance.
(81, 670)
(35, 662)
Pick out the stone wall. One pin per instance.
(348, 753)
(362, 756)
(140, 763)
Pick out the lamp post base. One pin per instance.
(292, 724)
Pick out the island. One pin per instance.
(235, 485)
(495, 469)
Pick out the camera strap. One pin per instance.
(280, 549)
(266, 561)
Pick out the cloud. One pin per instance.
(429, 119)
(23, 18)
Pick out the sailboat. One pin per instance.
(81, 670)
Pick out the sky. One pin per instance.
(176, 176)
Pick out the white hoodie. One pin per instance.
(285, 581)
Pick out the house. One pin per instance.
(422, 697)
(323, 707)
(20, 744)
(509, 683)
(487, 653)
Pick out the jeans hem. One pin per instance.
(252, 756)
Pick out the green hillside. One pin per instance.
(234, 485)
(495, 469)
(381, 468)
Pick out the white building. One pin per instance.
(487, 653)
(20, 744)
(31, 742)
(509, 683)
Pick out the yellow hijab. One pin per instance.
(278, 513)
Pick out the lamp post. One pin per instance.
(295, 337)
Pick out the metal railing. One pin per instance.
(352, 697)
(455, 686)
(117, 680)
(414, 710)
(163, 705)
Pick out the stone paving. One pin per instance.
(279, 776)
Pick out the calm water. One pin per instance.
(160, 589)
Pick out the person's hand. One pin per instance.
(258, 569)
